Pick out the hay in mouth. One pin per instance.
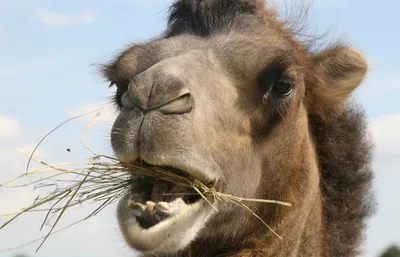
(104, 180)
(154, 200)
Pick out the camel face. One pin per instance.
(207, 113)
(233, 105)
(198, 111)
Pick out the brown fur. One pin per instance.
(326, 173)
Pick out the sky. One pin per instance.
(50, 53)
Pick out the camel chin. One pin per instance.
(163, 227)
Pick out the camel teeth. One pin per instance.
(133, 205)
(150, 206)
(163, 205)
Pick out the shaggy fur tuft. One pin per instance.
(344, 153)
(205, 17)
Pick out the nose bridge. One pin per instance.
(160, 89)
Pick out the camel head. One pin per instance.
(229, 96)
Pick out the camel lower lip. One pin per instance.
(156, 214)
(173, 232)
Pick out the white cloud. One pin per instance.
(87, 17)
(58, 19)
(12, 137)
(386, 138)
(385, 130)
(9, 129)
(53, 18)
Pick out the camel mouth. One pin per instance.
(157, 216)
(154, 200)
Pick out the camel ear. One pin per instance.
(337, 72)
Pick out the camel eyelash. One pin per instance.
(277, 89)
(277, 106)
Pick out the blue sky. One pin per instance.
(47, 49)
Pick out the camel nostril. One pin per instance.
(180, 105)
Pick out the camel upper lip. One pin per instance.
(158, 190)
(181, 170)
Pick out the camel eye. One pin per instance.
(282, 88)
(123, 86)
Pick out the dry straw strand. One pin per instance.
(103, 180)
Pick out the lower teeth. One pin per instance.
(163, 205)
(150, 206)
(134, 206)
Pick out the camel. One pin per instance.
(232, 96)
